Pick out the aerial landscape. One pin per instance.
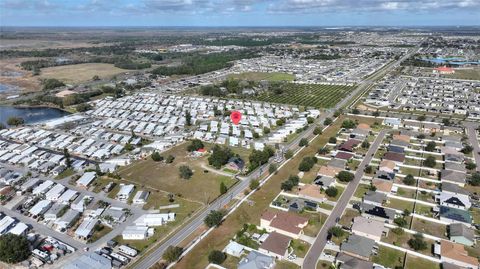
(239, 134)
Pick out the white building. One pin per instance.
(152, 220)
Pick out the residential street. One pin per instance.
(472, 138)
(311, 259)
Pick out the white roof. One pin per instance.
(154, 219)
(86, 227)
(67, 196)
(39, 207)
(42, 187)
(19, 229)
(55, 192)
(5, 223)
(86, 178)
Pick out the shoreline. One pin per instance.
(36, 106)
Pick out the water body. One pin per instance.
(30, 114)
(450, 60)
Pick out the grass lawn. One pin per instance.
(202, 187)
(231, 262)
(475, 215)
(348, 215)
(257, 76)
(299, 247)
(97, 234)
(361, 190)
(325, 206)
(399, 204)
(323, 264)
(315, 223)
(68, 172)
(407, 193)
(424, 210)
(284, 265)
(388, 257)
(414, 262)
(428, 227)
(78, 73)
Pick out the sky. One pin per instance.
(239, 12)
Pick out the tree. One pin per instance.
(467, 149)
(195, 145)
(400, 221)
(348, 124)
(470, 165)
(2, 126)
(310, 120)
(280, 122)
(188, 118)
(376, 113)
(365, 144)
(66, 155)
(303, 142)
(417, 242)
(214, 218)
(327, 121)
(83, 107)
(430, 161)
(337, 113)
(446, 122)
(430, 146)
(260, 157)
(332, 140)
(336, 231)
(331, 191)
(368, 169)
(15, 121)
(172, 254)
(409, 180)
(216, 257)
(95, 78)
(421, 136)
(254, 183)
(266, 130)
(169, 159)
(156, 157)
(288, 154)
(475, 179)
(185, 172)
(13, 248)
(223, 188)
(406, 212)
(220, 156)
(345, 176)
(291, 182)
(323, 150)
(355, 111)
(421, 118)
(272, 168)
(317, 130)
(51, 83)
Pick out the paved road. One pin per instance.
(472, 137)
(310, 261)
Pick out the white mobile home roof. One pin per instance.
(40, 207)
(86, 227)
(86, 179)
(19, 229)
(154, 219)
(67, 196)
(5, 224)
(43, 187)
(55, 192)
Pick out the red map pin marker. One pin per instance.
(235, 116)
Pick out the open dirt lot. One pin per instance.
(78, 73)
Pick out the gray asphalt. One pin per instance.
(310, 261)
(472, 138)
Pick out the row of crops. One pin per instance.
(310, 95)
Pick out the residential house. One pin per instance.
(381, 185)
(453, 200)
(374, 198)
(346, 261)
(256, 260)
(288, 224)
(311, 192)
(234, 249)
(324, 181)
(358, 246)
(455, 254)
(388, 166)
(86, 179)
(349, 145)
(369, 228)
(276, 245)
(154, 219)
(451, 176)
(124, 192)
(86, 228)
(136, 233)
(461, 234)
(378, 212)
(397, 158)
(140, 197)
(454, 215)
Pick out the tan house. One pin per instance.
(455, 253)
(311, 192)
(285, 223)
(369, 228)
(384, 186)
(387, 166)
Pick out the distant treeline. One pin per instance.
(105, 50)
(324, 57)
(120, 62)
(204, 63)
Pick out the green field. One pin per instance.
(258, 76)
(310, 95)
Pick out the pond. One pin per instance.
(30, 114)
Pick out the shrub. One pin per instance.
(430, 161)
(156, 157)
(417, 242)
(216, 257)
(15, 121)
(288, 154)
(172, 253)
(345, 176)
(254, 183)
(303, 142)
(317, 130)
(409, 180)
(400, 222)
(185, 172)
(331, 191)
(170, 159)
(336, 231)
(430, 146)
(327, 121)
(332, 140)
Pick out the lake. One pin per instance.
(30, 114)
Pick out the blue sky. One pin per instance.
(238, 12)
